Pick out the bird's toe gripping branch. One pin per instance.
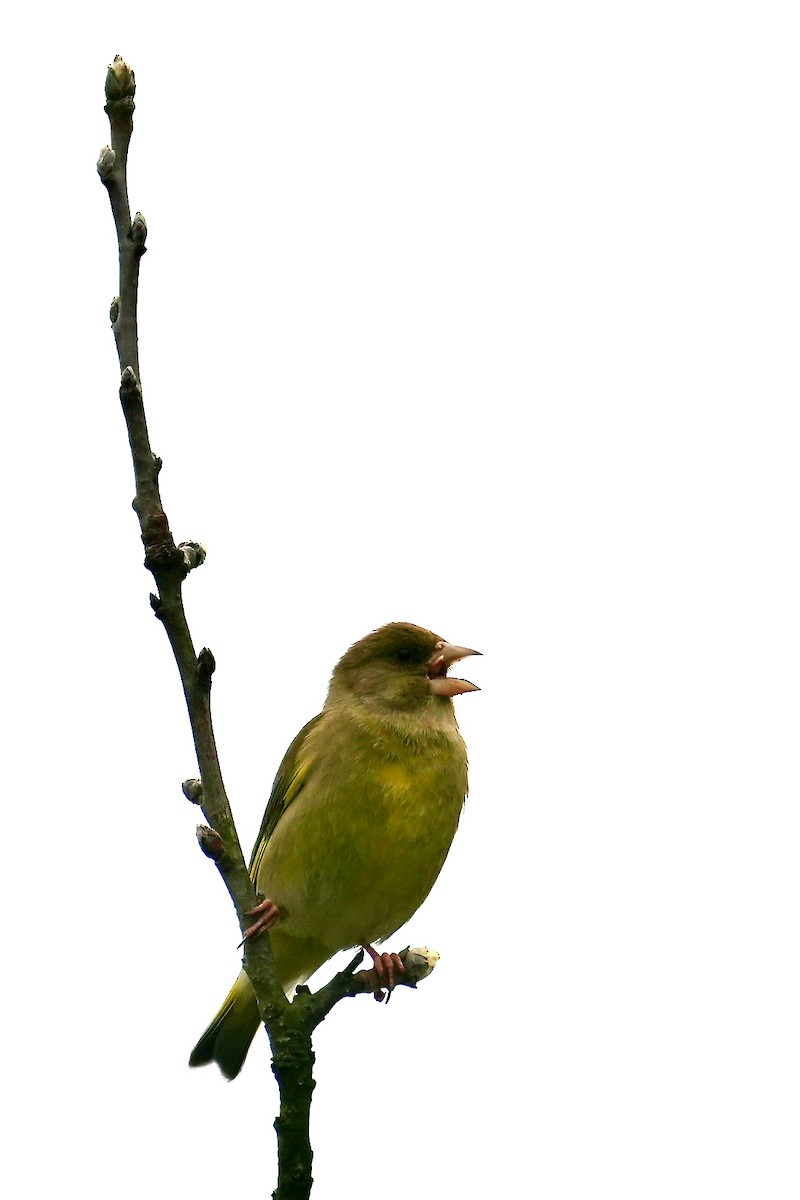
(266, 914)
(386, 969)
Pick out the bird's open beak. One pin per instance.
(440, 682)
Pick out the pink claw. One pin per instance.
(267, 913)
(385, 966)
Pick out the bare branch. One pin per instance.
(418, 963)
(170, 564)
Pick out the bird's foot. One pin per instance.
(384, 967)
(267, 913)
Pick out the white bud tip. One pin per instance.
(419, 962)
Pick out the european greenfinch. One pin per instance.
(359, 822)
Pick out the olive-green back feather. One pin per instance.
(289, 781)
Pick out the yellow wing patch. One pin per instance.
(296, 782)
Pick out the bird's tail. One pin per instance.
(228, 1037)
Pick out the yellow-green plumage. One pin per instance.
(362, 814)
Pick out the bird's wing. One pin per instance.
(289, 782)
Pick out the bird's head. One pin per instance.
(400, 668)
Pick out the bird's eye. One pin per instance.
(403, 655)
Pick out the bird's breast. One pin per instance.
(358, 851)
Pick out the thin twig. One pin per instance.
(168, 563)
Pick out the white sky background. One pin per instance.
(480, 316)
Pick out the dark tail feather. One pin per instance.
(228, 1037)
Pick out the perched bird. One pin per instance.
(359, 822)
